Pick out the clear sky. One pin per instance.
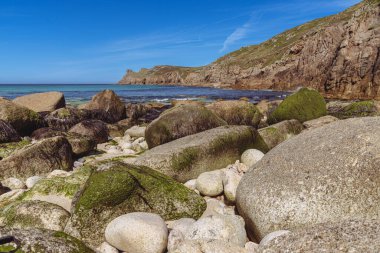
(95, 41)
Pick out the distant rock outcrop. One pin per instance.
(337, 55)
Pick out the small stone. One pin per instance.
(106, 248)
(144, 145)
(31, 181)
(251, 247)
(191, 184)
(272, 236)
(214, 207)
(136, 131)
(13, 183)
(251, 156)
(58, 173)
(228, 228)
(138, 233)
(231, 181)
(175, 239)
(210, 183)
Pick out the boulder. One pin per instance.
(304, 105)
(58, 190)
(188, 157)
(237, 112)
(115, 130)
(13, 183)
(210, 183)
(228, 228)
(23, 120)
(180, 121)
(8, 133)
(38, 159)
(7, 149)
(108, 101)
(138, 233)
(9, 197)
(80, 144)
(231, 181)
(65, 118)
(315, 123)
(42, 102)
(251, 156)
(353, 110)
(40, 240)
(94, 129)
(144, 113)
(116, 188)
(136, 131)
(34, 214)
(343, 236)
(327, 174)
(280, 132)
(4, 189)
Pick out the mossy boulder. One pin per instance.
(180, 121)
(80, 144)
(40, 240)
(304, 105)
(58, 190)
(38, 159)
(108, 101)
(188, 157)
(115, 188)
(23, 120)
(353, 110)
(8, 133)
(280, 132)
(34, 214)
(237, 112)
(8, 148)
(94, 129)
(65, 118)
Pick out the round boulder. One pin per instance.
(179, 122)
(95, 129)
(304, 105)
(138, 233)
(237, 112)
(322, 175)
(251, 156)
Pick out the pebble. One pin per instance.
(31, 181)
(231, 181)
(138, 233)
(210, 183)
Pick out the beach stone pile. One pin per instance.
(227, 177)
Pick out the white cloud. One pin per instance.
(238, 34)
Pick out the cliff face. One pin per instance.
(337, 55)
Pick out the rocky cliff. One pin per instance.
(337, 55)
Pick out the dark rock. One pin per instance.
(94, 129)
(8, 133)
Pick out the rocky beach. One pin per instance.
(292, 175)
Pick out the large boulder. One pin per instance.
(65, 118)
(41, 240)
(327, 174)
(346, 110)
(42, 102)
(8, 133)
(116, 188)
(80, 144)
(94, 129)
(108, 101)
(6, 149)
(37, 159)
(58, 190)
(280, 132)
(345, 236)
(179, 122)
(188, 157)
(34, 214)
(23, 120)
(303, 105)
(237, 112)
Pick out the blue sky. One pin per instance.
(95, 41)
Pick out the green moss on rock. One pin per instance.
(303, 105)
(8, 148)
(116, 188)
(356, 109)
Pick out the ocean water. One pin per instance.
(80, 93)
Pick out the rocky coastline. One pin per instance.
(336, 55)
(298, 175)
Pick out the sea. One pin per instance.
(80, 93)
